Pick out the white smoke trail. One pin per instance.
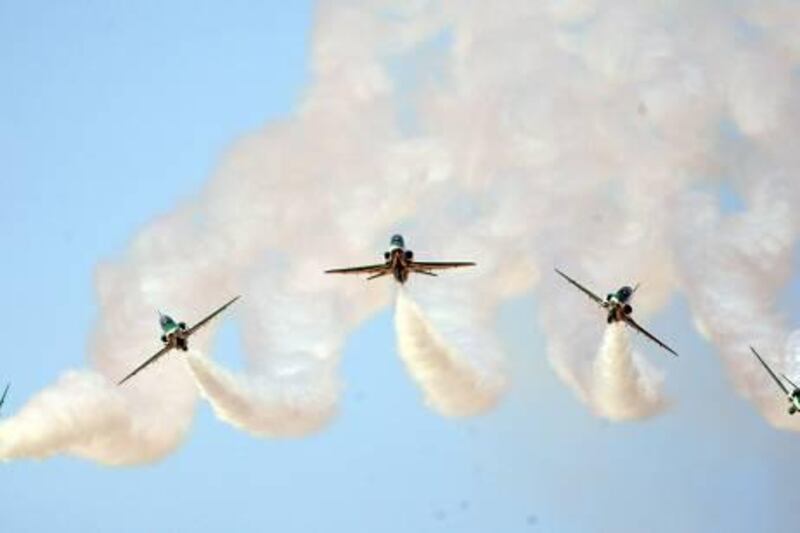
(455, 382)
(36, 431)
(625, 386)
(293, 334)
(276, 408)
(86, 415)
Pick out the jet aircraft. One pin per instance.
(3, 397)
(619, 308)
(400, 263)
(793, 396)
(175, 336)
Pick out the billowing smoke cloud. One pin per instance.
(624, 142)
(736, 268)
(626, 387)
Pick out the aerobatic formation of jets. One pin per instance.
(400, 263)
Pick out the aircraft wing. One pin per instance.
(632, 323)
(366, 269)
(583, 289)
(792, 383)
(155, 357)
(5, 393)
(422, 266)
(771, 373)
(208, 319)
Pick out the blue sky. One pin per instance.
(102, 128)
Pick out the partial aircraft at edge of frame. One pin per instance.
(793, 396)
(3, 397)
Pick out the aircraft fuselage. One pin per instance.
(398, 259)
(174, 333)
(794, 401)
(618, 304)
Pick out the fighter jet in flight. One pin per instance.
(3, 397)
(400, 263)
(793, 396)
(175, 336)
(619, 308)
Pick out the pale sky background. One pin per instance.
(110, 115)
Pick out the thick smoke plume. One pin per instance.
(626, 141)
(625, 386)
(452, 384)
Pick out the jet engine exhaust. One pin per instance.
(625, 387)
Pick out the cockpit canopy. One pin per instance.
(397, 241)
(166, 321)
(624, 294)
